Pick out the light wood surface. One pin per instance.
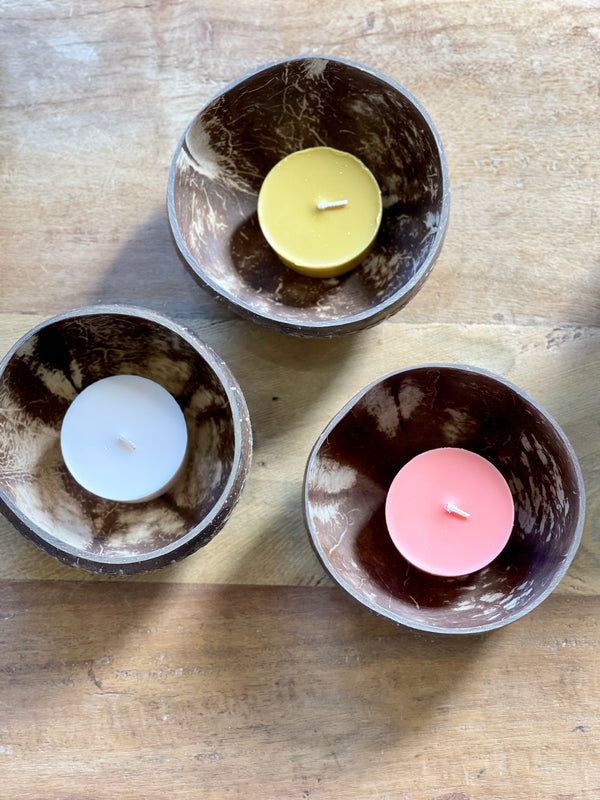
(242, 672)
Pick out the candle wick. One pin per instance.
(331, 204)
(126, 444)
(452, 509)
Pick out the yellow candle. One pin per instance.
(320, 210)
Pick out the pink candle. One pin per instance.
(449, 511)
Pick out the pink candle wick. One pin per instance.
(452, 509)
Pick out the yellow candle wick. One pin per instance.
(324, 204)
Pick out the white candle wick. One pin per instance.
(452, 509)
(331, 204)
(126, 444)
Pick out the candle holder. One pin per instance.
(42, 374)
(230, 146)
(411, 411)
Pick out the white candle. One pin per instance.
(124, 438)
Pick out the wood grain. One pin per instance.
(322, 700)
(241, 672)
(97, 95)
(294, 387)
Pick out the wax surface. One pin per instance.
(124, 438)
(435, 540)
(313, 241)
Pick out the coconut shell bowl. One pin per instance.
(409, 412)
(229, 147)
(39, 378)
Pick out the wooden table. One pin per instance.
(243, 672)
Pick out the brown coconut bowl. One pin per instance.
(406, 413)
(230, 146)
(42, 374)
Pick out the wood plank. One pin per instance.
(294, 387)
(91, 120)
(140, 690)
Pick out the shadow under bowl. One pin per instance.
(43, 373)
(355, 459)
(230, 146)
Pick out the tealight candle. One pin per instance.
(124, 438)
(449, 511)
(320, 210)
